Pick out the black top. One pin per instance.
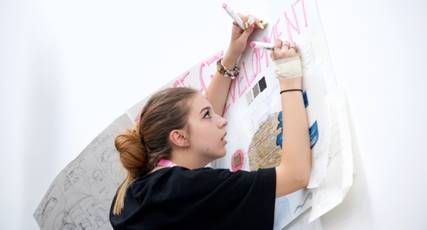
(204, 198)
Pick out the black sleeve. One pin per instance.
(223, 198)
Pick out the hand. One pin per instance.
(238, 41)
(283, 50)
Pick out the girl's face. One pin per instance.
(207, 129)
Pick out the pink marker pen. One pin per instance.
(264, 45)
(233, 15)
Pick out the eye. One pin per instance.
(207, 113)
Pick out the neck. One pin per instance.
(188, 160)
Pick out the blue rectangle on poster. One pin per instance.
(314, 134)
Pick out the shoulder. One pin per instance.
(182, 174)
(212, 174)
(207, 179)
(181, 181)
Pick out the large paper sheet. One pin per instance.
(81, 194)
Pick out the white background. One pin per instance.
(69, 68)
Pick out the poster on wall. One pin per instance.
(81, 195)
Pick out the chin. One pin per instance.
(223, 153)
(219, 155)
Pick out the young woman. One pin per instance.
(180, 131)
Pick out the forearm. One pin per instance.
(296, 140)
(219, 86)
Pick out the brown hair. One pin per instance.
(141, 147)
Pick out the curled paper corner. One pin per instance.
(340, 172)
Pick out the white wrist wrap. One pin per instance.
(286, 68)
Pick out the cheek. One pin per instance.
(199, 134)
(203, 130)
(203, 138)
(203, 134)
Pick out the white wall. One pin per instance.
(68, 68)
(378, 50)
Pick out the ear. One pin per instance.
(179, 138)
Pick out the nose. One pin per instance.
(222, 122)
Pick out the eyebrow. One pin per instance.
(207, 107)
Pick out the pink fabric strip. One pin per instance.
(167, 163)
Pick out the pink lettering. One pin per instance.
(275, 34)
(206, 63)
(232, 91)
(203, 87)
(256, 65)
(303, 10)
(294, 26)
(239, 84)
(214, 58)
(180, 81)
(246, 73)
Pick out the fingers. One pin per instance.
(250, 20)
(260, 24)
(246, 33)
(293, 49)
(284, 49)
(255, 21)
(238, 32)
(243, 17)
(278, 44)
(244, 20)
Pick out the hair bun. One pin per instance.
(131, 151)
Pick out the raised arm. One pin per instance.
(219, 86)
(294, 170)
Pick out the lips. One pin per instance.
(223, 137)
